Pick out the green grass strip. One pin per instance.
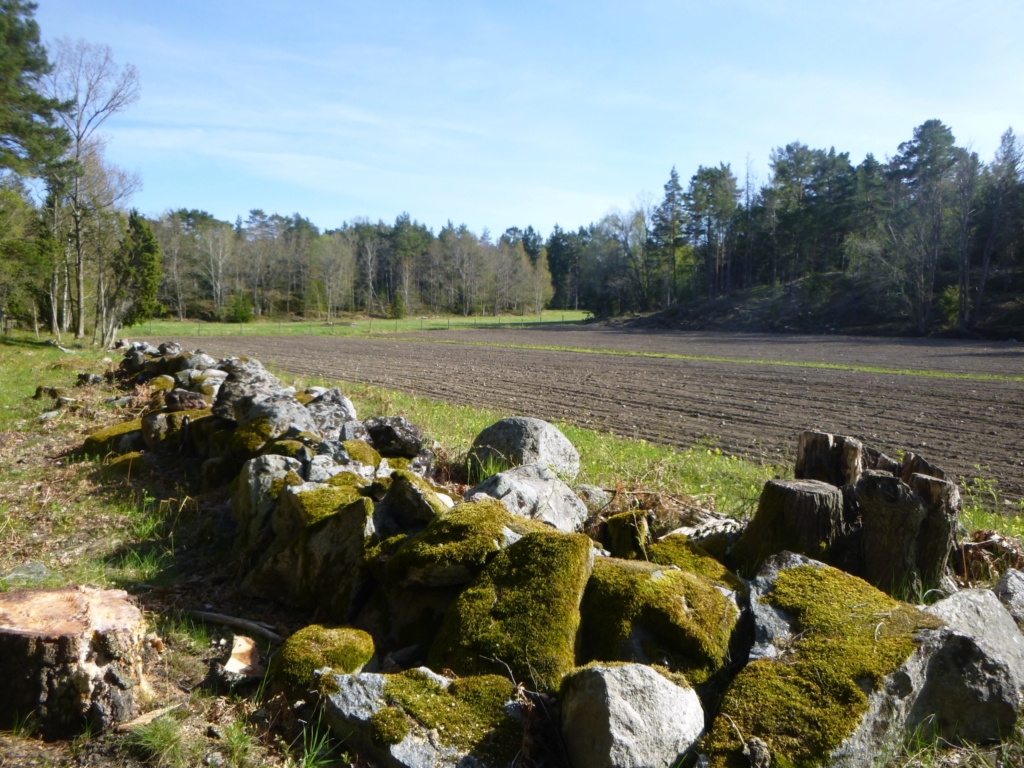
(713, 359)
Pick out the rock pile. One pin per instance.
(645, 632)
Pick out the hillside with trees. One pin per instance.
(927, 240)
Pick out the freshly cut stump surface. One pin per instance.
(69, 656)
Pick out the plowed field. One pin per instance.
(752, 400)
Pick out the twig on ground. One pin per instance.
(232, 621)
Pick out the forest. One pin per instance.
(927, 233)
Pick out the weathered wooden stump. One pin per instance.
(892, 515)
(68, 657)
(832, 459)
(803, 516)
(938, 529)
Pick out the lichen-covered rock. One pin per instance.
(247, 383)
(197, 361)
(183, 400)
(523, 608)
(260, 483)
(110, 439)
(324, 566)
(162, 383)
(627, 716)
(638, 611)
(166, 431)
(804, 516)
(455, 546)
(517, 440)
(1010, 591)
(343, 649)
(596, 499)
(281, 413)
(409, 502)
(418, 719)
(331, 410)
(840, 673)
(394, 436)
(535, 492)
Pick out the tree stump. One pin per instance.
(69, 657)
(803, 516)
(916, 465)
(892, 515)
(832, 459)
(938, 529)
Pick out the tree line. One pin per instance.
(927, 229)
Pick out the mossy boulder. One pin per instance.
(123, 467)
(629, 535)
(323, 567)
(677, 549)
(828, 647)
(261, 482)
(410, 502)
(302, 505)
(294, 449)
(363, 452)
(210, 435)
(343, 649)
(347, 480)
(456, 545)
(402, 617)
(106, 440)
(419, 718)
(249, 438)
(639, 611)
(162, 430)
(523, 608)
(162, 384)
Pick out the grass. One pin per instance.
(160, 743)
(352, 325)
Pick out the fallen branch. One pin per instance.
(145, 719)
(232, 621)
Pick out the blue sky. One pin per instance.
(514, 113)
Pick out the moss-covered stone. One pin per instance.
(304, 397)
(456, 545)
(399, 462)
(348, 480)
(642, 612)
(363, 452)
(217, 472)
(388, 726)
(209, 435)
(293, 449)
(679, 551)
(103, 441)
(123, 466)
(523, 608)
(409, 502)
(161, 384)
(162, 429)
(848, 637)
(469, 715)
(247, 440)
(343, 649)
(302, 508)
(629, 535)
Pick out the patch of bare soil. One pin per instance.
(747, 409)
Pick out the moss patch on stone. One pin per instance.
(848, 635)
(304, 397)
(679, 551)
(316, 504)
(523, 608)
(455, 546)
(469, 715)
(342, 649)
(363, 452)
(290, 448)
(249, 438)
(348, 480)
(103, 441)
(388, 726)
(123, 466)
(161, 384)
(642, 612)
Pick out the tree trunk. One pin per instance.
(70, 657)
(892, 515)
(832, 459)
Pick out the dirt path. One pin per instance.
(745, 408)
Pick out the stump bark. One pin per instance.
(892, 515)
(938, 529)
(832, 459)
(69, 657)
(803, 516)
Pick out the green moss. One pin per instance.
(455, 546)
(278, 484)
(342, 649)
(389, 726)
(638, 611)
(348, 480)
(102, 441)
(523, 608)
(848, 637)
(289, 448)
(125, 465)
(248, 438)
(629, 535)
(399, 462)
(161, 384)
(412, 498)
(379, 554)
(316, 504)
(363, 452)
(679, 551)
(308, 438)
(469, 715)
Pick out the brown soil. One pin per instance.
(746, 408)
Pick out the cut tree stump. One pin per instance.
(69, 657)
(803, 516)
(938, 529)
(832, 459)
(892, 515)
